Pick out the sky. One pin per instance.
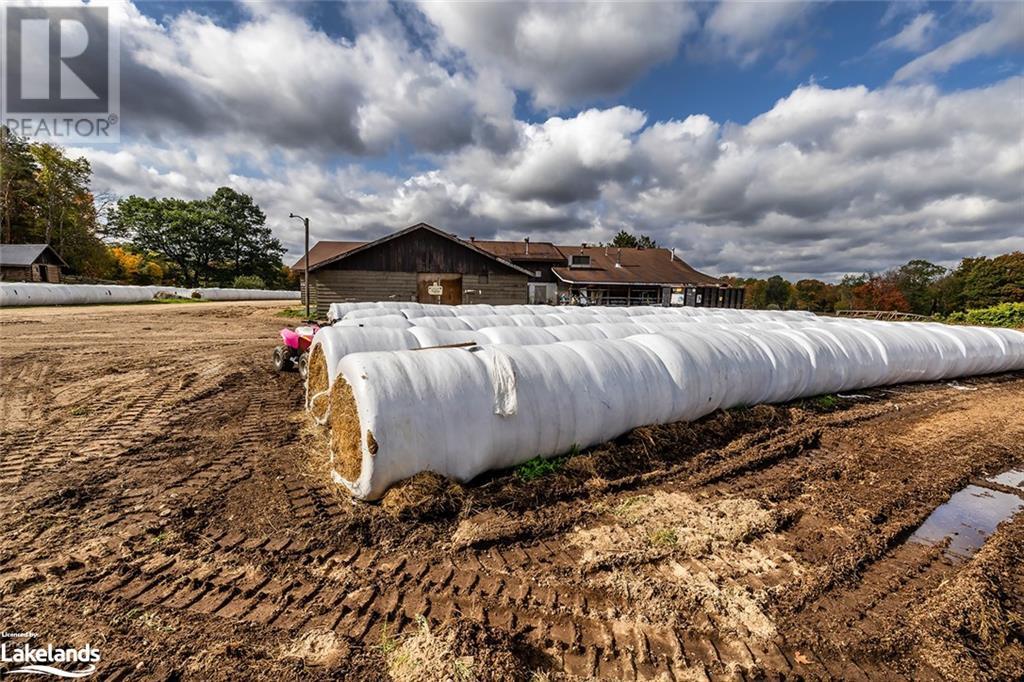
(805, 139)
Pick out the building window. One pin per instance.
(579, 261)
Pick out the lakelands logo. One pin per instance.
(67, 662)
(61, 72)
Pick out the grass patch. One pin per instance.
(293, 312)
(826, 402)
(539, 467)
(629, 506)
(80, 410)
(663, 537)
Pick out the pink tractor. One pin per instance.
(294, 352)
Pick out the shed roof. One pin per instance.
(23, 255)
(635, 266)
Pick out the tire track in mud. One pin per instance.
(365, 595)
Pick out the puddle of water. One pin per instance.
(967, 519)
(1014, 478)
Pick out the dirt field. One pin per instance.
(162, 498)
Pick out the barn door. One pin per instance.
(451, 288)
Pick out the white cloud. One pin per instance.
(915, 36)
(825, 182)
(746, 31)
(1003, 31)
(285, 82)
(563, 53)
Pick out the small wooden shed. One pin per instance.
(30, 263)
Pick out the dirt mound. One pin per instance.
(461, 650)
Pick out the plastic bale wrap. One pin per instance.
(392, 321)
(475, 309)
(518, 336)
(460, 412)
(431, 311)
(481, 321)
(448, 323)
(545, 320)
(431, 337)
(333, 343)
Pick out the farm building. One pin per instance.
(30, 263)
(420, 263)
(411, 264)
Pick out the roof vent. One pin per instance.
(527, 240)
(618, 258)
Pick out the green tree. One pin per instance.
(777, 291)
(45, 198)
(18, 188)
(209, 240)
(814, 295)
(625, 240)
(250, 247)
(917, 281)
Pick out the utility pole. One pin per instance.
(305, 263)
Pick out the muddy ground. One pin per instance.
(162, 498)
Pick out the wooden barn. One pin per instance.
(30, 263)
(420, 263)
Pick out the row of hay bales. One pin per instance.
(514, 394)
(34, 293)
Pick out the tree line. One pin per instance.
(917, 287)
(220, 240)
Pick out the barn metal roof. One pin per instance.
(23, 255)
(611, 265)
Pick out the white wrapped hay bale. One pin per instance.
(536, 320)
(460, 412)
(431, 337)
(392, 321)
(449, 323)
(429, 311)
(481, 321)
(331, 344)
(518, 336)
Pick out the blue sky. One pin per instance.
(810, 139)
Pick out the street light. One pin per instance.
(305, 262)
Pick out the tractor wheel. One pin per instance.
(303, 365)
(282, 358)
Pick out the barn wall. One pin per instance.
(498, 289)
(330, 285)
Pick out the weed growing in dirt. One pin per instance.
(80, 410)
(538, 467)
(826, 402)
(629, 506)
(388, 642)
(295, 312)
(663, 537)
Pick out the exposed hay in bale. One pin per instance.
(346, 440)
(317, 382)
(424, 496)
